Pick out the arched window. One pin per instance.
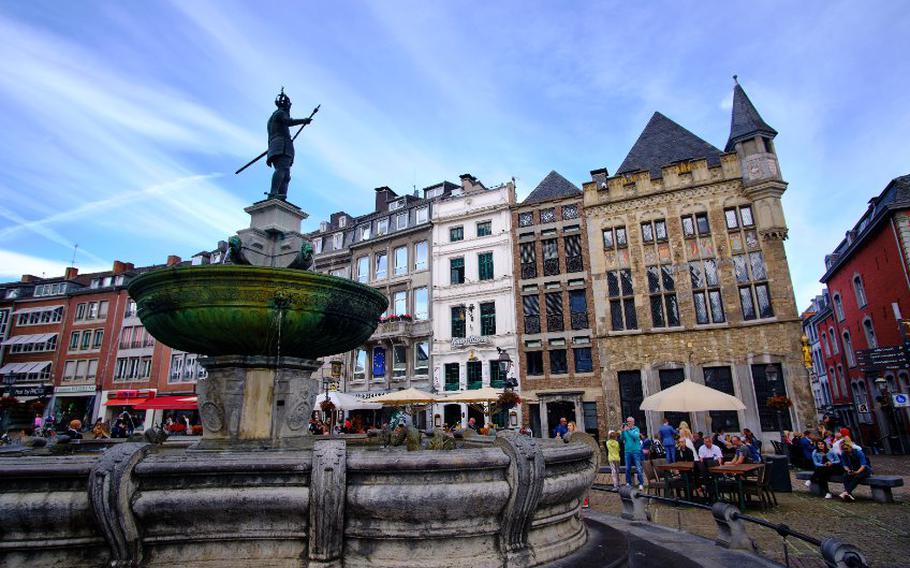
(848, 349)
(824, 343)
(838, 307)
(859, 290)
(841, 381)
(833, 378)
(869, 329)
(834, 349)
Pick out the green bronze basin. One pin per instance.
(252, 310)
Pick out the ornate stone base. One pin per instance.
(254, 402)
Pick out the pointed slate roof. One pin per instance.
(663, 142)
(554, 186)
(745, 121)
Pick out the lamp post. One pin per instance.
(505, 365)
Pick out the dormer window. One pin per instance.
(396, 205)
(364, 232)
(431, 193)
(342, 222)
(382, 226)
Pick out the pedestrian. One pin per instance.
(668, 435)
(613, 456)
(856, 469)
(827, 463)
(631, 438)
(646, 443)
(39, 422)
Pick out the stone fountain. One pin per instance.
(259, 489)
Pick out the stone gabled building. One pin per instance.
(690, 276)
(555, 310)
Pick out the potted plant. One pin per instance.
(508, 400)
(327, 406)
(406, 317)
(779, 402)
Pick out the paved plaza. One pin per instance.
(882, 532)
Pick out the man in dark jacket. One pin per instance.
(281, 145)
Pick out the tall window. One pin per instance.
(401, 221)
(534, 360)
(751, 277)
(531, 307)
(668, 378)
(848, 349)
(317, 247)
(550, 257)
(382, 265)
(401, 260)
(497, 378)
(664, 308)
(363, 269)
(859, 290)
(382, 226)
(558, 364)
(399, 361)
(554, 312)
(360, 364)
(458, 326)
(574, 261)
(422, 214)
(838, 307)
(422, 358)
(484, 228)
(452, 379)
(709, 308)
(615, 237)
(583, 361)
(764, 389)
(696, 224)
(420, 255)
(631, 397)
(456, 234)
(654, 231)
(578, 309)
(485, 265)
(869, 329)
(365, 232)
(834, 348)
(721, 378)
(488, 318)
(737, 217)
(400, 302)
(475, 374)
(456, 270)
(528, 260)
(337, 241)
(622, 301)
(421, 303)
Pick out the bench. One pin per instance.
(880, 484)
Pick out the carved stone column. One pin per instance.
(111, 488)
(328, 488)
(526, 475)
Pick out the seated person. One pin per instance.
(743, 454)
(710, 451)
(856, 468)
(683, 451)
(827, 463)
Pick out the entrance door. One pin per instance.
(451, 414)
(559, 409)
(479, 419)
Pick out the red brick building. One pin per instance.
(868, 283)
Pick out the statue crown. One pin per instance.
(282, 100)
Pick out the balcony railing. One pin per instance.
(551, 267)
(555, 323)
(401, 328)
(452, 386)
(579, 320)
(574, 264)
(529, 270)
(498, 384)
(532, 324)
(475, 385)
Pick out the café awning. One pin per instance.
(486, 394)
(182, 402)
(343, 401)
(404, 397)
(24, 368)
(36, 309)
(33, 338)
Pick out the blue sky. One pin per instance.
(123, 122)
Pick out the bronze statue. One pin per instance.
(281, 145)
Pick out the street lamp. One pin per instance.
(505, 365)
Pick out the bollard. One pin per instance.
(839, 554)
(731, 531)
(633, 507)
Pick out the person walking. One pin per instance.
(631, 438)
(613, 456)
(667, 434)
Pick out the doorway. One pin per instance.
(479, 419)
(451, 414)
(559, 409)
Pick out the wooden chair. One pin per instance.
(760, 487)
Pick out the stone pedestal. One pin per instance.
(255, 402)
(273, 237)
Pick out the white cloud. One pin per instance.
(14, 264)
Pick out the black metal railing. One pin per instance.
(574, 264)
(532, 324)
(579, 320)
(529, 270)
(551, 267)
(731, 530)
(555, 323)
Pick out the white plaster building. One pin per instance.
(473, 296)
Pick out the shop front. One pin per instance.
(121, 414)
(73, 402)
(176, 413)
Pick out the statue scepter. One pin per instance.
(296, 134)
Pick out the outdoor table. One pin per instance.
(685, 468)
(739, 471)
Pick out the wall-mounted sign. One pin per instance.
(379, 361)
(882, 358)
(459, 342)
(900, 400)
(74, 388)
(30, 390)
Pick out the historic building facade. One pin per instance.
(867, 279)
(818, 373)
(473, 296)
(555, 310)
(690, 276)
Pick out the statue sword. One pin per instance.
(260, 156)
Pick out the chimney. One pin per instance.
(384, 194)
(28, 278)
(118, 267)
(70, 273)
(128, 266)
(173, 259)
(599, 177)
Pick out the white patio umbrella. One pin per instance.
(689, 396)
(486, 394)
(405, 397)
(343, 401)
